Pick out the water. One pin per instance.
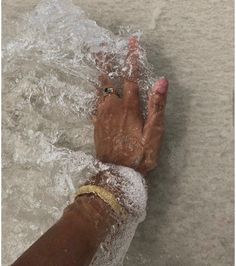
(49, 77)
(133, 186)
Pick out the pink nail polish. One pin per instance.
(161, 86)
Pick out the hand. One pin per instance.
(121, 135)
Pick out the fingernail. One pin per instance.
(161, 86)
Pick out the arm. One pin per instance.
(122, 137)
(74, 239)
(90, 219)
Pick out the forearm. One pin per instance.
(74, 239)
(88, 222)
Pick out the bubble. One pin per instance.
(50, 75)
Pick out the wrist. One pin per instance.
(119, 185)
(92, 216)
(129, 190)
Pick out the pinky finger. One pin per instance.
(154, 126)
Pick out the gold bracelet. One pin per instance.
(106, 196)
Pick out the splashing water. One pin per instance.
(49, 77)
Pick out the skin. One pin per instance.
(121, 137)
(74, 239)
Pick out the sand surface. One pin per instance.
(190, 209)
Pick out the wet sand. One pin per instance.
(190, 210)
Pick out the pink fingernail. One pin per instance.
(161, 86)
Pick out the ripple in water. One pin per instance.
(49, 77)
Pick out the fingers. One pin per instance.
(131, 96)
(154, 125)
(105, 101)
(157, 101)
(133, 59)
(131, 88)
(105, 82)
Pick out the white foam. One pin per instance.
(134, 198)
(49, 78)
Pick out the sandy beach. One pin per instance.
(190, 216)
